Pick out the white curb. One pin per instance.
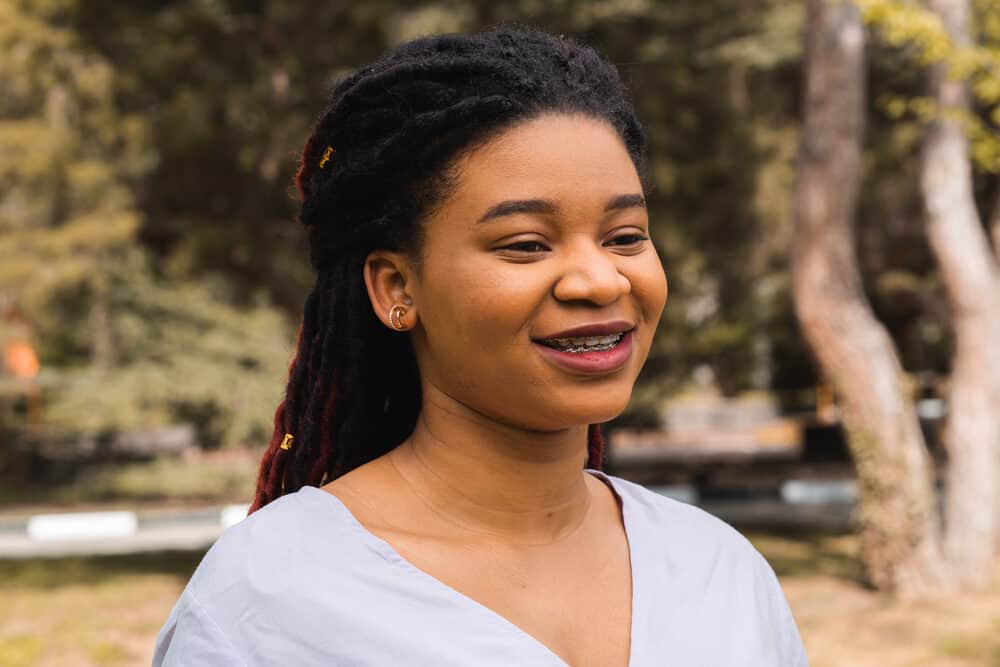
(82, 526)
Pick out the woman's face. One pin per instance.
(545, 231)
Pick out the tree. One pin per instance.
(235, 86)
(899, 523)
(995, 226)
(123, 343)
(972, 279)
(224, 92)
(906, 546)
(66, 160)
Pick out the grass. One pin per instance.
(88, 611)
(810, 554)
(843, 623)
(77, 612)
(107, 610)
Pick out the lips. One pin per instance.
(588, 360)
(596, 329)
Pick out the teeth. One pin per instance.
(587, 340)
(585, 343)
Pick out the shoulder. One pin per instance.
(267, 549)
(686, 538)
(256, 543)
(269, 559)
(681, 524)
(692, 556)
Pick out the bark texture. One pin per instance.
(102, 347)
(972, 281)
(899, 519)
(995, 227)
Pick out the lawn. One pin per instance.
(87, 611)
(844, 624)
(106, 611)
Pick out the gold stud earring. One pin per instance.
(396, 317)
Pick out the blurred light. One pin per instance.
(82, 526)
(682, 492)
(930, 408)
(21, 359)
(818, 492)
(233, 514)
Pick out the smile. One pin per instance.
(588, 354)
(580, 344)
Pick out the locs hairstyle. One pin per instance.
(377, 162)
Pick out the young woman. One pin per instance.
(486, 295)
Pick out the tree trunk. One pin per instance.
(899, 518)
(995, 227)
(972, 282)
(102, 348)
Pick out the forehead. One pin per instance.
(570, 159)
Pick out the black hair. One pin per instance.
(377, 162)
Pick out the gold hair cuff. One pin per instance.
(326, 157)
(286, 442)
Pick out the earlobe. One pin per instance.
(396, 317)
(386, 276)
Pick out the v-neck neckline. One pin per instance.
(389, 553)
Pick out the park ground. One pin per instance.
(76, 612)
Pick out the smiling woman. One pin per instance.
(486, 295)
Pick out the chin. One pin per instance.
(601, 408)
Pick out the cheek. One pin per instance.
(473, 304)
(649, 284)
(649, 288)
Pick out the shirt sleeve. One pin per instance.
(789, 647)
(191, 638)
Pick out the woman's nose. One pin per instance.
(590, 273)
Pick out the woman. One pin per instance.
(486, 294)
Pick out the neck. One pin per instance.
(498, 480)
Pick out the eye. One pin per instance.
(629, 239)
(525, 246)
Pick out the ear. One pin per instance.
(388, 277)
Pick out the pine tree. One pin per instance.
(123, 343)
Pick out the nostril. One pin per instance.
(593, 283)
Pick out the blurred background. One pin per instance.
(824, 193)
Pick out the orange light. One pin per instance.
(21, 359)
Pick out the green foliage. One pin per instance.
(122, 343)
(147, 152)
(174, 480)
(776, 42)
(183, 352)
(246, 81)
(912, 26)
(66, 156)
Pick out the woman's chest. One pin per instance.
(575, 601)
(570, 602)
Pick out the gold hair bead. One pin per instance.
(326, 157)
(286, 442)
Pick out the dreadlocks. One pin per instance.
(378, 160)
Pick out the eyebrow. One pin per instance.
(515, 206)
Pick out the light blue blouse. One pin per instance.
(302, 582)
